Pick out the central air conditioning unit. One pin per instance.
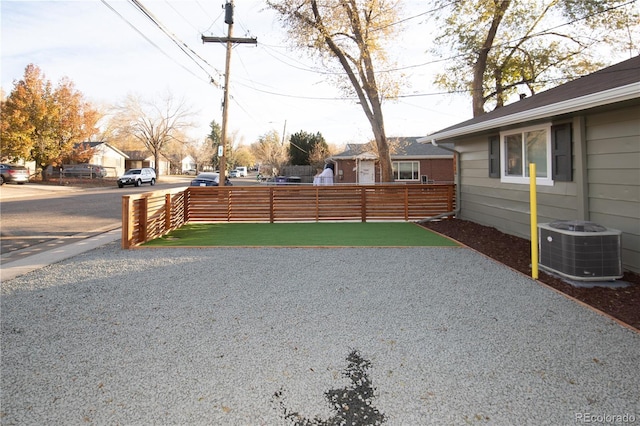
(580, 250)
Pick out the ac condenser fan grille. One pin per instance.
(592, 255)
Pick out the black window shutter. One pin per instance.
(494, 156)
(562, 167)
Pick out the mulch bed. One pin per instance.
(621, 303)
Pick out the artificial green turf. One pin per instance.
(318, 234)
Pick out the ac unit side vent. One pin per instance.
(587, 256)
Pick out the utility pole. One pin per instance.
(229, 40)
(284, 132)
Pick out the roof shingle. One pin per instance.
(618, 75)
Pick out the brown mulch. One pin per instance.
(620, 303)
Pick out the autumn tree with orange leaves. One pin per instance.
(42, 123)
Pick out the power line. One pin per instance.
(273, 52)
(180, 14)
(435, 61)
(229, 40)
(428, 12)
(181, 45)
(191, 54)
(148, 39)
(213, 21)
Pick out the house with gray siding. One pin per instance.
(583, 136)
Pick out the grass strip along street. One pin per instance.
(317, 234)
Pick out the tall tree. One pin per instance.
(43, 123)
(201, 152)
(154, 123)
(244, 157)
(353, 32)
(508, 45)
(302, 144)
(270, 152)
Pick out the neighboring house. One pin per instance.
(139, 159)
(413, 162)
(188, 163)
(111, 158)
(583, 136)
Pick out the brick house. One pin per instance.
(413, 162)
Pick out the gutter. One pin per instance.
(458, 178)
(606, 97)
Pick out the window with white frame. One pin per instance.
(519, 147)
(406, 170)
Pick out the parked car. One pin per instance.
(13, 173)
(137, 177)
(89, 171)
(209, 179)
(234, 173)
(242, 171)
(190, 172)
(287, 180)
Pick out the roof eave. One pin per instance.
(422, 157)
(606, 97)
(116, 150)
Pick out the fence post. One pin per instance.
(167, 213)
(143, 219)
(271, 204)
(406, 203)
(126, 222)
(186, 203)
(363, 203)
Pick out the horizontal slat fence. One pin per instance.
(153, 214)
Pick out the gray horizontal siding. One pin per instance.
(612, 151)
(506, 206)
(626, 144)
(615, 192)
(621, 123)
(613, 176)
(613, 163)
(616, 208)
(619, 160)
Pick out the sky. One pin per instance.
(110, 50)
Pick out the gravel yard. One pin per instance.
(305, 336)
(622, 303)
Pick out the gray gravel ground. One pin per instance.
(261, 336)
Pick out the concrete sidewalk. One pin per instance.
(21, 266)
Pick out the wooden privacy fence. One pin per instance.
(150, 215)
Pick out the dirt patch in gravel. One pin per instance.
(621, 303)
